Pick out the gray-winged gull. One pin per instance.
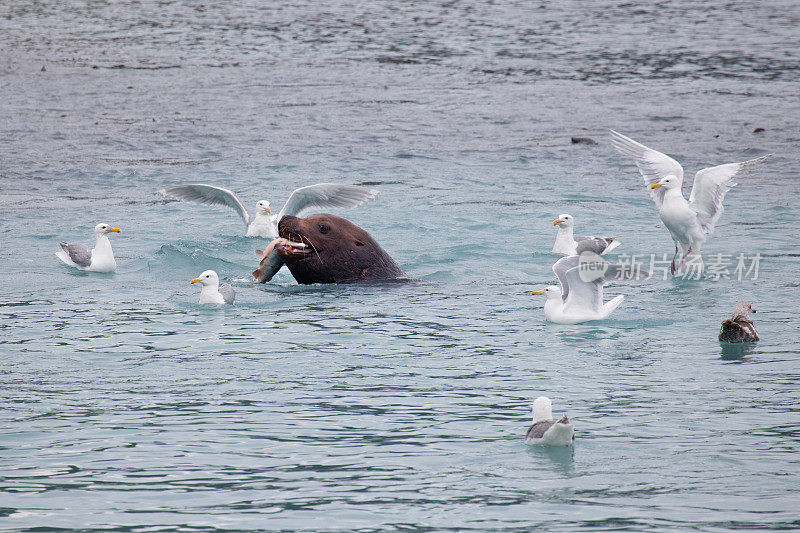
(739, 328)
(580, 297)
(212, 292)
(546, 431)
(566, 242)
(264, 224)
(97, 259)
(688, 222)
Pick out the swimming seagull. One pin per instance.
(545, 430)
(566, 242)
(212, 292)
(688, 222)
(264, 224)
(739, 328)
(97, 259)
(580, 297)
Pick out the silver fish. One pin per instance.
(271, 262)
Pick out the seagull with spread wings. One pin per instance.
(688, 222)
(264, 223)
(581, 278)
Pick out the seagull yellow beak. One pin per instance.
(195, 280)
(655, 186)
(269, 210)
(115, 230)
(537, 292)
(557, 221)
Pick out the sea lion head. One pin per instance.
(337, 251)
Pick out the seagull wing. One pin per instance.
(709, 188)
(599, 245)
(326, 195)
(652, 165)
(583, 296)
(227, 293)
(209, 195)
(538, 430)
(596, 245)
(80, 254)
(560, 269)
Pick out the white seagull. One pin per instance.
(566, 242)
(212, 292)
(97, 259)
(264, 224)
(545, 430)
(688, 222)
(580, 297)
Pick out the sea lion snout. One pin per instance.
(291, 228)
(287, 224)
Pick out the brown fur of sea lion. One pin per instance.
(337, 251)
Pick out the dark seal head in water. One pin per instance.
(739, 328)
(337, 251)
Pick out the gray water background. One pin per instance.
(128, 407)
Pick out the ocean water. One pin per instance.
(125, 406)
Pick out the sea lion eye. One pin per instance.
(324, 228)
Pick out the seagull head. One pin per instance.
(668, 182)
(542, 409)
(743, 310)
(104, 229)
(263, 205)
(564, 221)
(209, 277)
(552, 292)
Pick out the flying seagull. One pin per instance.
(264, 224)
(688, 222)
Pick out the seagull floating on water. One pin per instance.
(264, 224)
(739, 328)
(688, 222)
(580, 297)
(566, 242)
(212, 292)
(97, 259)
(546, 431)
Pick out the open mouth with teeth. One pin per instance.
(290, 250)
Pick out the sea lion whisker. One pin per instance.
(316, 252)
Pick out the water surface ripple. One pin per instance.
(128, 407)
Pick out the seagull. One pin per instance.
(97, 259)
(212, 292)
(545, 430)
(264, 224)
(580, 297)
(566, 242)
(688, 222)
(739, 328)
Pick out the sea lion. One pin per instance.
(336, 251)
